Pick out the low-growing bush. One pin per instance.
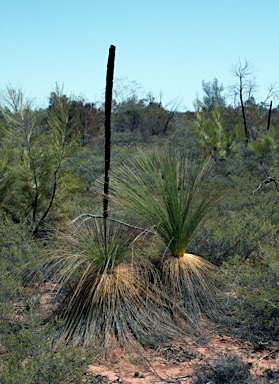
(226, 370)
(30, 356)
(237, 227)
(253, 294)
(28, 351)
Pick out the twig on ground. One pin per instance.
(265, 356)
(171, 379)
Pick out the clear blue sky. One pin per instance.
(166, 46)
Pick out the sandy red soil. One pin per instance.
(178, 361)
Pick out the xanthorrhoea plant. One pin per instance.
(167, 192)
(110, 294)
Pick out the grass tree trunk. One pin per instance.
(109, 87)
(269, 115)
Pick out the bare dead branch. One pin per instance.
(265, 356)
(244, 88)
(88, 216)
(268, 180)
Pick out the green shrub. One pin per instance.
(18, 254)
(253, 293)
(240, 225)
(30, 356)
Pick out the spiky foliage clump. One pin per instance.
(167, 192)
(111, 295)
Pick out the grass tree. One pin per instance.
(168, 193)
(111, 294)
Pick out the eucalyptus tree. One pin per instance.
(213, 95)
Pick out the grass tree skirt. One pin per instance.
(122, 306)
(189, 281)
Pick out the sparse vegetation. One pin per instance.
(139, 281)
